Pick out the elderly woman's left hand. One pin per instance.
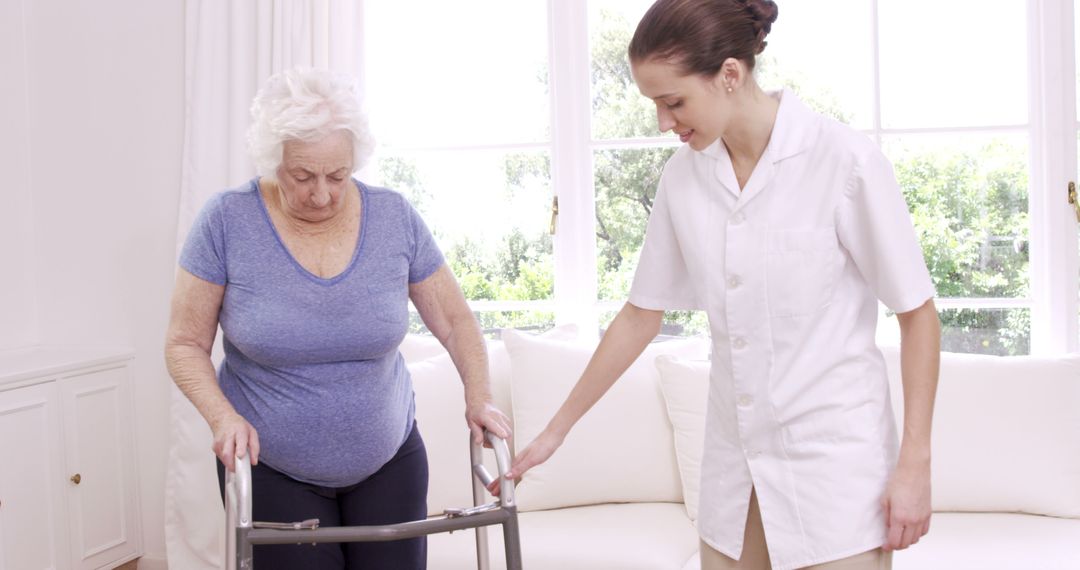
(484, 414)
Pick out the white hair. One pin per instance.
(305, 105)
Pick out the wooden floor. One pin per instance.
(133, 565)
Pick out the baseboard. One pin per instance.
(147, 563)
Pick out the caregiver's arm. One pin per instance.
(907, 499)
(631, 331)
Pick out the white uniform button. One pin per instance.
(738, 218)
(745, 400)
(734, 281)
(738, 342)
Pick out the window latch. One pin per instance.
(1073, 199)
(555, 214)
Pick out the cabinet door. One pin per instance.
(98, 447)
(33, 528)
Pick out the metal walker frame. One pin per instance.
(241, 533)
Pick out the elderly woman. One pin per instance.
(309, 272)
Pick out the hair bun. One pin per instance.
(763, 13)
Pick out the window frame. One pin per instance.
(1054, 127)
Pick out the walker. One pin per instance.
(241, 533)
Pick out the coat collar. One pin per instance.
(793, 132)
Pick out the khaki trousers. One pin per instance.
(755, 556)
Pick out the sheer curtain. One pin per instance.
(232, 47)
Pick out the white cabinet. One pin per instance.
(68, 481)
(33, 525)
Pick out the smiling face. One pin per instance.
(315, 177)
(695, 108)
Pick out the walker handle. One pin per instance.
(237, 508)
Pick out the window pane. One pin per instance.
(625, 182)
(619, 109)
(969, 202)
(492, 322)
(456, 73)
(676, 323)
(947, 63)
(489, 212)
(821, 50)
(1003, 332)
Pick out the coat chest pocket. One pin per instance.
(802, 267)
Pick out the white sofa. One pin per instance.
(620, 493)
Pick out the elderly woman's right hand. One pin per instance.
(233, 437)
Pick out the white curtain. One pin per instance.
(232, 47)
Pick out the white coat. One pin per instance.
(790, 270)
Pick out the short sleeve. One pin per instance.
(426, 255)
(662, 280)
(874, 226)
(203, 254)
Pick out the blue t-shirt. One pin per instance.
(313, 363)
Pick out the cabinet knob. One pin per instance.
(76, 478)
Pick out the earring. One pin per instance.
(729, 89)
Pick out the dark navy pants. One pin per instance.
(395, 493)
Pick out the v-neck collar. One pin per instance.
(364, 207)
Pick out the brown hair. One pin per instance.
(700, 34)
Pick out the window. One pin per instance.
(463, 124)
(961, 160)
(505, 105)
(628, 154)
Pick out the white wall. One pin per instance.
(18, 318)
(105, 86)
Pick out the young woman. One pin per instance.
(787, 228)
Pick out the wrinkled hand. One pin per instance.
(233, 437)
(907, 506)
(537, 452)
(485, 415)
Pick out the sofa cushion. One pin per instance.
(440, 415)
(685, 385)
(417, 347)
(994, 541)
(639, 536)
(1006, 434)
(621, 451)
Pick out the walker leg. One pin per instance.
(512, 541)
(243, 550)
(482, 562)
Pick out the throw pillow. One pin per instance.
(685, 384)
(620, 451)
(1006, 433)
(440, 416)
